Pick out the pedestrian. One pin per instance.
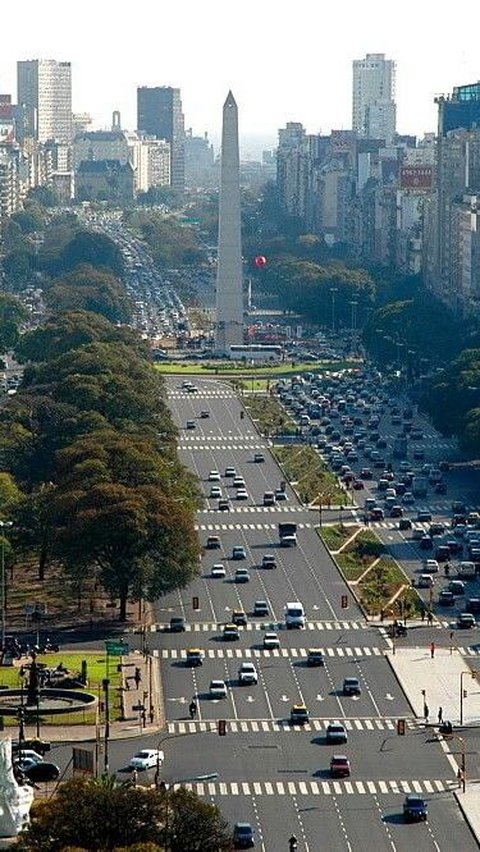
(134, 777)
(137, 677)
(430, 617)
(440, 715)
(152, 715)
(382, 614)
(426, 712)
(432, 650)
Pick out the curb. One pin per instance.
(466, 815)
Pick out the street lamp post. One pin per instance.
(341, 516)
(473, 674)
(320, 507)
(3, 526)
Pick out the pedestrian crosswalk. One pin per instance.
(225, 445)
(275, 726)
(290, 653)
(201, 394)
(226, 527)
(318, 788)
(212, 626)
(278, 509)
(242, 436)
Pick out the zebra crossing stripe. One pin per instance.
(259, 726)
(315, 788)
(285, 653)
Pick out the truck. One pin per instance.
(287, 533)
(420, 486)
(400, 447)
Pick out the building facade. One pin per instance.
(373, 97)
(45, 93)
(160, 115)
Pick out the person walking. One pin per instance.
(432, 650)
(440, 715)
(137, 677)
(430, 617)
(426, 712)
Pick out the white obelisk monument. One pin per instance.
(229, 327)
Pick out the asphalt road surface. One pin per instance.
(264, 770)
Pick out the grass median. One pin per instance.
(309, 474)
(270, 417)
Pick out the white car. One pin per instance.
(230, 472)
(214, 476)
(271, 640)
(218, 570)
(431, 566)
(215, 491)
(218, 689)
(148, 758)
(242, 494)
(238, 482)
(28, 756)
(247, 674)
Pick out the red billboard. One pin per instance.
(416, 177)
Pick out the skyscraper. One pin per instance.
(373, 102)
(229, 328)
(159, 114)
(44, 91)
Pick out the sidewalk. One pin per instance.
(442, 678)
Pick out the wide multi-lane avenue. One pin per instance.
(264, 770)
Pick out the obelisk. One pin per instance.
(229, 327)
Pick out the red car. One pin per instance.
(340, 766)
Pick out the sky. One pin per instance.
(282, 61)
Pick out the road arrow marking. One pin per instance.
(284, 698)
(389, 697)
(319, 697)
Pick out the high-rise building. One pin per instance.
(461, 109)
(159, 114)
(45, 93)
(229, 328)
(373, 102)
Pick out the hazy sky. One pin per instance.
(283, 61)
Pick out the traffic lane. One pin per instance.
(444, 830)
(281, 816)
(471, 738)
(246, 809)
(381, 695)
(383, 755)
(362, 823)
(181, 683)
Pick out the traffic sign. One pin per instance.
(116, 649)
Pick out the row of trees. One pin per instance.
(90, 443)
(101, 815)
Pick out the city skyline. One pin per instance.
(280, 69)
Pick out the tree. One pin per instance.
(92, 817)
(87, 288)
(12, 314)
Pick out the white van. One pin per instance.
(294, 615)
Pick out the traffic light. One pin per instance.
(195, 603)
(401, 726)
(344, 602)
(222, 727)
(465, 693)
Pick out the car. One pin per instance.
(269, 498)
(423, 515)
(446, 598)
(299, 715)
(35, 744)
(178, 624)
(260, 608)
(258, 458)
(336, 733)
(215, 492)
(457, 588)
(147, 758)
(214, 476)
(230, 632)
(29, 754)
(466, 620)
(351, 686)
(238, 482)
(242, 494)
(190, 424)
(218, 689)
(230, 472)
(242, 575)
(213, 542)
(377, 514)
(408, 498)
(357, 485)
(247, 674)
(204, 414)
(243, 835)
(415, 808)
(366, 473)
(239, 617)
(442, 553)
(472, 605)
(404, 524)
(224, 505)
(40, 772)
(426, 542)
(269, 561)
(315, 657)
(239, 552)
(396, 511)
(339, 766)
(271, 640)
(431, 566)
(436, 529)
(218, 570)
(425, 581)
(440, 488)
(194, 657)
(280, 494)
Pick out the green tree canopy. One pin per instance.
(12, 314)
(87, 288)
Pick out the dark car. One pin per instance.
(404, 524)
(415, 809)
(446, 598)
(41, 772)
(177, 624)
(336, 733)
(466, 620)
(239, 617)
(299, 715)
(243, 835)
(34, 743)
(315, 657)
(351, 686)
(213, 542)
